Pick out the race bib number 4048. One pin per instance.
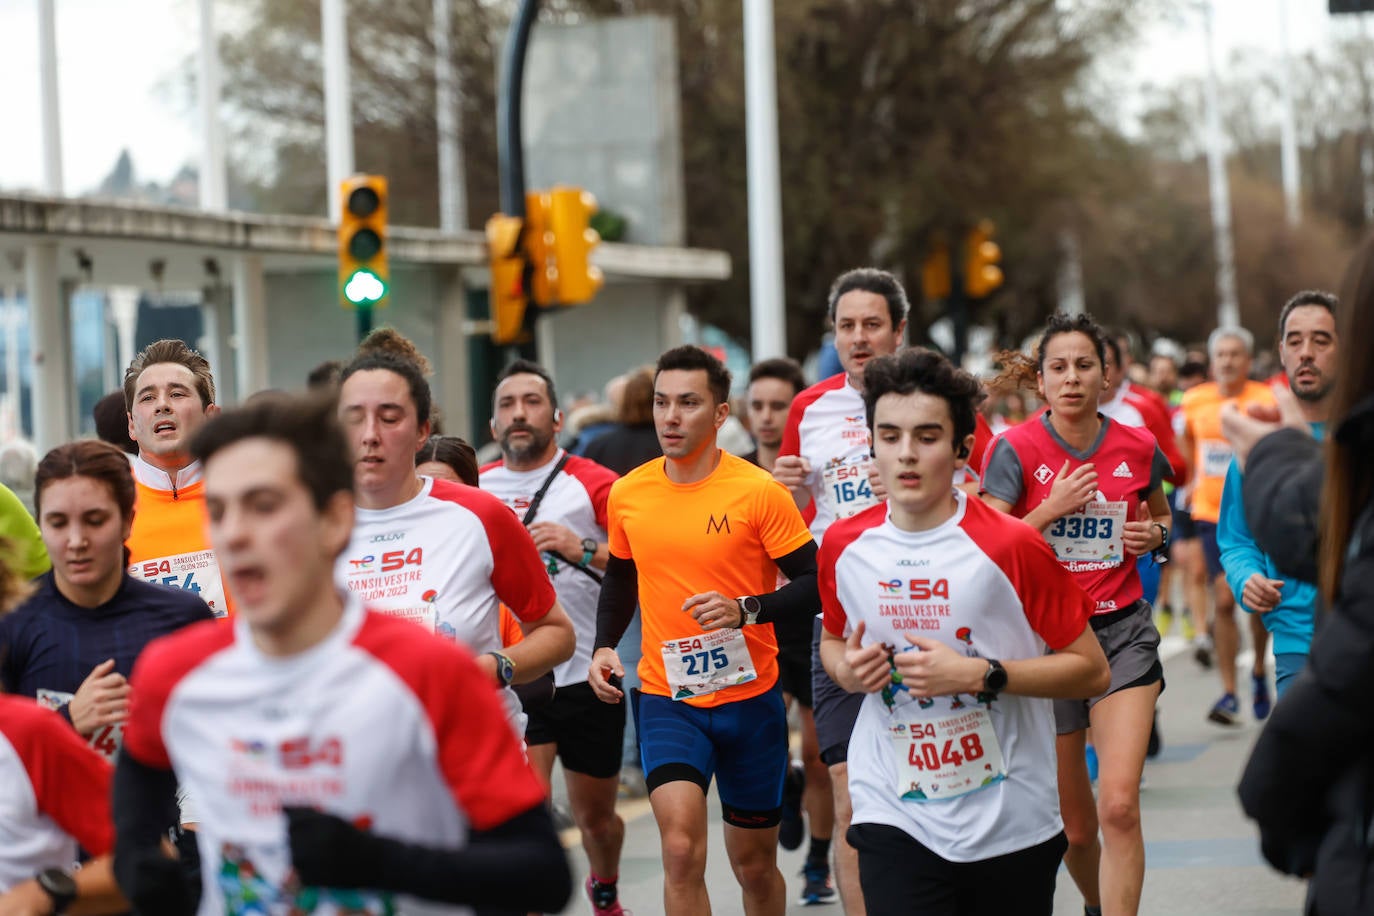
(943, 758)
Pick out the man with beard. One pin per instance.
(1287, 606)
(561, 499)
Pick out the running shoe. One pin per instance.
(790, 827)
(1202, 651)
(1189, 631)
(1262, 702)
(1226, 711)
(1164, 620)
(604, 900)
(817, 889)
(1090, 753)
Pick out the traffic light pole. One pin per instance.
(364, 313)
(510, 145)
(958, 308)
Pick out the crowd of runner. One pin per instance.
(307, 655)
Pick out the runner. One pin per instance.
(825, 462)
(441, 554)
(561, 498)
(345, 761)
(19, 537)
(170, 393)
(940, 612)
(687, 532)
(71, 645)
(1208, 451)
(1094, 488)
(1286, 606)
(447, 458)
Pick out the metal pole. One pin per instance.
(510, 150)
(338, 108)
(1228, 309)
(767, 307)
(13, 387)
(49, 347)
(213, 193)
(47, 77)
(1287, 128)
(448, 117)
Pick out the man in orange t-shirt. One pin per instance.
(170, 394)
(687, 533)
(1209, 455)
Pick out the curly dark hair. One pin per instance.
(918, 369)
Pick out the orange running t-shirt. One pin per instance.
(1201, 409)
(719, 534)
(170, 546)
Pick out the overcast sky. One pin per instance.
(119, 74)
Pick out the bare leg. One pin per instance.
(1079, 811)
(754, 858)
(846, 858)
(680, 810)
(1227, 634)
(1121, 723)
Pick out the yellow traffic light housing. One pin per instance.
(364, 273)
(935, 281)
(506, 299)
(539, 248)
(569, 228)
(982, 276)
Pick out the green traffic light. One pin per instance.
(364, 287)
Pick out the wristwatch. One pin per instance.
(505, 668)
(995, 678)
(1161, 553)
(589, 546)
(749, 608)
(58, 885)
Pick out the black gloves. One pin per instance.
(328, 851)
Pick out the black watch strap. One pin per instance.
(59, 885)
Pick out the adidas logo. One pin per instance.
(1043, 474)
(1122, 471)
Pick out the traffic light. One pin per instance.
(364, 276)
(569, 223)
(981, 256)
(506, 299)
(539, 248)
(935, 283)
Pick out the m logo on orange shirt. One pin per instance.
(718, 526)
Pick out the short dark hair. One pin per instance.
(526, 367)
(919, 369)
(1307, 297)
(308, 424)
(325, 375)
(781, 368)
(170, 350)
(406, 369)
(691, 358)
(871, 280)
(453, 451)
(91, 458)
(111, 415)
(1192, 369)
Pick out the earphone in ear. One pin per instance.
(557, 415)
(963, 451)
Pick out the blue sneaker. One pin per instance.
(1226, 711)
(817, 889)
(1262, 702)
(1090, 753)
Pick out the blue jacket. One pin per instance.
(1290, 622)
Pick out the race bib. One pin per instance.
(106, 740)
(196, 572)
(945, 757)
(704, 664)
(1216, 458)
(844, 484)
(1091, 535)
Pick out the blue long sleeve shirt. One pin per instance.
(1290, 622)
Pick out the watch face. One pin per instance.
(589, 545)
(996, 678)
(57, 884)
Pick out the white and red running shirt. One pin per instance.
(54, 793)
(828, 426)
(380, 724)
(576, 499)
(1021, 469)
(447, 560)
(970, 776)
